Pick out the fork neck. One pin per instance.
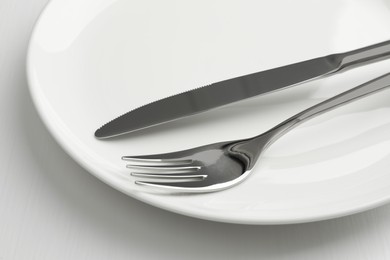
(257, 144)
(249, 150)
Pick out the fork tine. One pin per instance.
(163, 170)
(168, 185)
(156, 162)
(170, 176)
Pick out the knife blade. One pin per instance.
(232, 90)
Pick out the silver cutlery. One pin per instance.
(222, 165)
(236, 89)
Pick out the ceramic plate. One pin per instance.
(92, 60)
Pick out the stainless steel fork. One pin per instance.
(221, 165)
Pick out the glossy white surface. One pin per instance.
(51, 208)
(90, 61)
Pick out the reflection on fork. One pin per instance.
(222, 165)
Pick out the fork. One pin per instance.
(219, 166)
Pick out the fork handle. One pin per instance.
(346, 97)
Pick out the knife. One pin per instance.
(232, 90)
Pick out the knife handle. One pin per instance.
(371, 53)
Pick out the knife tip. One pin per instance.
(99, 134)
(105, 133)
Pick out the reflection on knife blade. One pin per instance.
(236, 89)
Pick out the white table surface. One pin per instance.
(50, 208)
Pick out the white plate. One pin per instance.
(92, 60)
